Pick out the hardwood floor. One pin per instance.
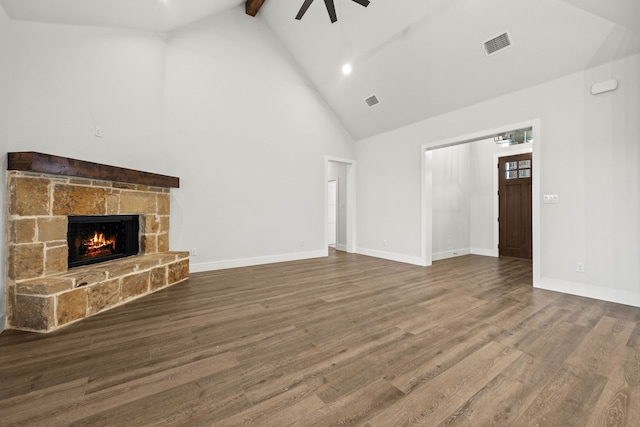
(343, 340)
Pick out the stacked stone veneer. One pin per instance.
(42, 293)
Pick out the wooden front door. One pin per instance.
(515, 191)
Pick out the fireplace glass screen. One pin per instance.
(93, 239)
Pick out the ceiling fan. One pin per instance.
(331, 8)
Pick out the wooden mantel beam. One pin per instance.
(29, 161)
(253, 6)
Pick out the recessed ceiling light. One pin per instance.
(346, 69)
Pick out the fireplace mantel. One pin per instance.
(30, 161)
(43, 191)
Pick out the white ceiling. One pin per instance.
(148, 15)
(421, 58)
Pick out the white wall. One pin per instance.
(586, 143)
(611, 158)
(482, 196)
(451, 184)
(248, 137)
(388, 199)
(66, 80)
(5, 66)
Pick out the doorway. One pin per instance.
(342, 174)
(515, 206)
(534, 125)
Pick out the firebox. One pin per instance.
(93, 239)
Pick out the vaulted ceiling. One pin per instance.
(421, 58)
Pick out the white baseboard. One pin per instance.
(407, 259)
(589, 291)
(247, 262)
(485, 252)
(341, 247)
(436, 256)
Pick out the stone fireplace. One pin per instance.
(44, 290)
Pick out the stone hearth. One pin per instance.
(43, 190)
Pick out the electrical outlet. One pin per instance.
(98, 132)
(580, 267)
(194, 251)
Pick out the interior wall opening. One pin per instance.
(460, 193)
(340, 185)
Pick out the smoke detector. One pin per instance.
(497, 44)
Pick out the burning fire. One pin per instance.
(98, 245)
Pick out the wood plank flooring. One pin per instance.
(346, 340)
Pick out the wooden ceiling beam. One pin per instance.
(253, 6)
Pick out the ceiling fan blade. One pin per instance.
(364, 3)
(331, 8)
(303, 9)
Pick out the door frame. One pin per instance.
(426, 246)
(335, 237)
(351, 202)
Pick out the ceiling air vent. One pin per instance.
(372, 100)
(497, 44)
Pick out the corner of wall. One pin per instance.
(3, 243)
(391, 256)
(5, 67)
